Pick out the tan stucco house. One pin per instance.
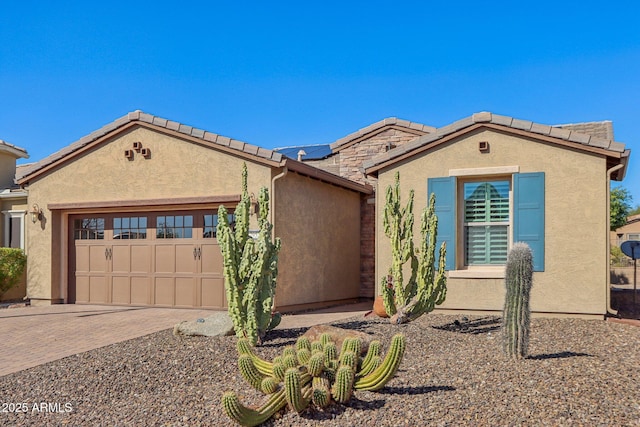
(128, 212)
(499, 180)
(13, 205)
(129, 215)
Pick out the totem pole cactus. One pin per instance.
(250, 267)
(517, 313)
(426, 287)
(311, 373)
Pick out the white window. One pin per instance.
(486, 222)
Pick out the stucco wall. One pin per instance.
(176, 168)
(7, 170)
(319, 227)
(574, 280)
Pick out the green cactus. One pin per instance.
(321, 391)
(318, 380)
(250, 267)
(387, 369)
(343, 386)
(517, 313)
(252, 417)
(425, 287)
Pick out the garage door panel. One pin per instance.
(98, 292)
(164, 291)
(82, 259)
(140, 259)
(121, 259)
(185, 258)
(165, 259)
(211, 259)
(82, 288)
(213, 292)
(121, 290)
(140, 290)
(185, 292)
(97, 259)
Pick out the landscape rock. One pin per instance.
(338, 335)
(216, 325)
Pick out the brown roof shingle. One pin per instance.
(155, 121)
(570, 133)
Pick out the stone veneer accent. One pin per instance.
(352, 157)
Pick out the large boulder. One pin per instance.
(216, 325)
(338, 335)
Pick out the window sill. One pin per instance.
(479, 273)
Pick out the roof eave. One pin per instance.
(138, 118)
(415, 147)
(322, 175)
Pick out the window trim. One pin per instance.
(480, 271)
(8, 215)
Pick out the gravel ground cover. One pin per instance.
(580, 372)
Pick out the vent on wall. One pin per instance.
(483, 146)
(146, 153)
(128, 154)
(137, 145)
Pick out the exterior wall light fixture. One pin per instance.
(36, 213)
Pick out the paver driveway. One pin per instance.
(31, 336)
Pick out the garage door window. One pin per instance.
(88, 229)
(209, 230)
(174, 227)
(134, 227)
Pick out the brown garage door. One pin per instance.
(169, 259)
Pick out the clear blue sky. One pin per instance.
(284, 73)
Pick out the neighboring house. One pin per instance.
(159, 183)
(129, 211)
(13, 205)
(629, 231)
(499, 180)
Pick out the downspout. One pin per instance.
(272, 214)
(272, 200)
(610, 310)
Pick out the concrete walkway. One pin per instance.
(32, 336)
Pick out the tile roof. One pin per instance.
(563, 132)
(13, 149)
(139, 116)
(390, 121)
(270, 157)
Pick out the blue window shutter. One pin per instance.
(528, 214)
(445, 191)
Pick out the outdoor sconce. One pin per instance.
(36, 213)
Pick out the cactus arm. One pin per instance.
(373, 351)
(378, 378)
(294, 384)
(343, 385)
(244, 347)
(249, 371)
(321, 391)
(252, 417)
